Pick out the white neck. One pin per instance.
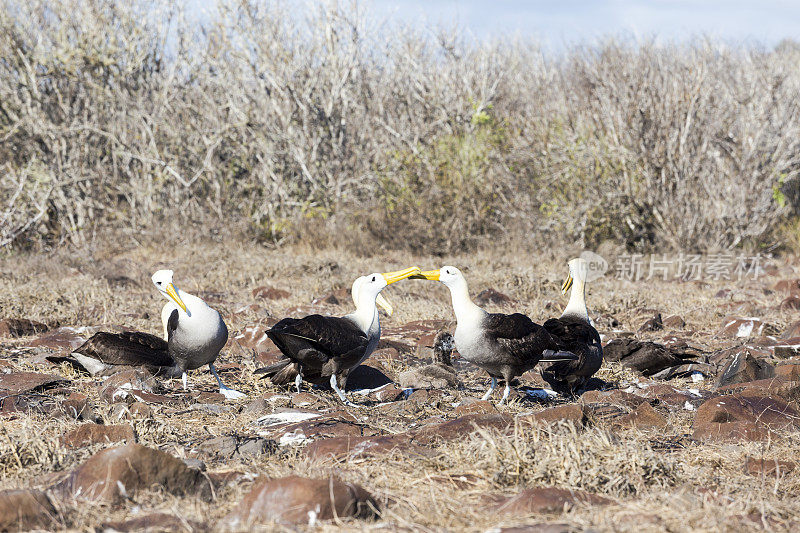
(195, 306)
(366, 314)
(465, 309)
(577, 301)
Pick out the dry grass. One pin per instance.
(697, 487)
(283, 126)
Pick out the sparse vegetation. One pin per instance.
(133, 116)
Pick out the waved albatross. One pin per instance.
(194, 335)
(323, 349)
(505, 346)
(575, 332)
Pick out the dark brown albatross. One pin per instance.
(323, 349)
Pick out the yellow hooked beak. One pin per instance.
(432, 275)
(384, 303)
(174, 295)
(567, 284)
(392, 277)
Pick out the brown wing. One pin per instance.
(519, 336)
(129, 348)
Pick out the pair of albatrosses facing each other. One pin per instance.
(508, 345)
(323, 349)
(194, 334)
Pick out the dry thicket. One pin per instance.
(301, 123)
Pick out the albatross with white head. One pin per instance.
(194, 334)
(323, 349)
(505, 346)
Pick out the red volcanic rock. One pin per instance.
(18, 382)
(573, 413)
(742, 367)
(792, 331)
(790, 303)
(482, 407)
(20, 327)
(651, 324)
(643, 417)
(787, 285)
(777, 387)
(64, 338)
(298, 500)
(335, 297)
(739, 417)
(767, 467)
(116, 473)
(95, 433)
(22, 510)
(156, 522)
(614, 396)
(546, 500)
(255, 338)
(270, 293)
(674, 322)
(736, 327)
(461, 427)
(491, 296)
(354, 447)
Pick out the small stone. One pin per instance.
(643, 417)
(270, 293)
(473, 406)
(88, 434)
(674, 322)
(20, 327)
(767, 467)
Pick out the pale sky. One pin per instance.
(556, 23)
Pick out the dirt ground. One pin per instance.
(656, 478)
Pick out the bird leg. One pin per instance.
(339, 391)
(491, 389)
(185, 380)
(225, 391)
(508, 376)
(506, 392)
(298, 381)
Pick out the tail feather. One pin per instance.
(281, 373)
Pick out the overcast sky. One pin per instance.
(558, 22)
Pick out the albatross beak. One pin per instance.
(567, 284)
(391, 277)
(384, 303)
(432, 275)
(174, 295)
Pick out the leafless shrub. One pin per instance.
(126, 116)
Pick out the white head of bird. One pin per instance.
(578, 272)
(366, 294)
(454, 280)
(379, 299)
(162, 279)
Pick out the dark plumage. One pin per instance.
(580, 338)
(520, 345)
(130, 348)
(317, 347)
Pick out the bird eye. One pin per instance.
(373, 278)
(158, 283)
